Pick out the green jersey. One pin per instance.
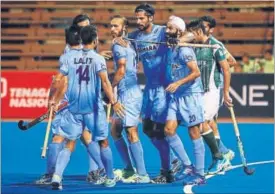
(208, 62)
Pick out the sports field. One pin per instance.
(21, 163)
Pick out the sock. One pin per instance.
(54, 149)
(222, 148)
(177, 146)
(92, 164)
(94, 152)
(137, 153)
(107, 159)
(62, 161)
(122, 149)
(210, 140)
(164, 152)
(199, 152)
(173, 157)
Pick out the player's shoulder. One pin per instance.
(98, 57)
(158, 28)
(186, 49)
(117, 46)
(214, 41)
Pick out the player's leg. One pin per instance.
(96, 174)
(197, 177)
(61, 163)
(136, 150)
(122, 147)
(71, 127)
(54, 148)
(211, 106)
(172, 137)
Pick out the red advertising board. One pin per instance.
(24, 94)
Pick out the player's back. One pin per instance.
(150, 54)
(84, 85)
(130, 78)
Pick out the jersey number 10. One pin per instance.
(83, 74)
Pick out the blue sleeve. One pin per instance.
(163, 32)
(63, 65)
(119, 52)
(100, 65)
(187, 54)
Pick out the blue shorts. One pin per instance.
(132, 102)
(187, 109)
(155, 104)
(72, 125)
(56, 122)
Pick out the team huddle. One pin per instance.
(184, 85)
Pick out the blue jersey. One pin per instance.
(130, 78)
(84, 85)
(177, 69)
(151, 55)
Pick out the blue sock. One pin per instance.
(94, 152)
(173, 157)
(177, 146)
(107, 159)
(137, 153)
(222, 148)
(122, 149)
(92, 164)
(62, 161)
(54, 149)
(164, 152)
(199, 152)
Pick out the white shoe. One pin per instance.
(56, 182)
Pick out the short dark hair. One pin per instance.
(81, 18)
(196, 25)
(72, 35)
(88, 34)
(210, 20)
(149, 9)
(124, 19)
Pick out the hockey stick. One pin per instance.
(109, 106)
(179, 44)
(240, 145)
(46, 139)
(38, 119)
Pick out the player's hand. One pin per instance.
(119, 109)
(227, 100)
(52, 104)
(107, 54)
(172, 87)
(172, 42)
(120, 41)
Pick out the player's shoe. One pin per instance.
(45, 179)
(124, 174)
(111, 182)
(195, 179)
(164, 177)
(217, 166)
(96, 177)
(56, 182)
(229, 155)
(136, 178)
(186, 171)
(176, 166)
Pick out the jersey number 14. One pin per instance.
(83, 74)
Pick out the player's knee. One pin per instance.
(169, 131)
(86, 137)
(132, 135)
(194, 132)
(71, 145)
(57, 139)
(104, 143)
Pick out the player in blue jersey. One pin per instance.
(186, 104)
(130, 95)
(155, 99)
(212, 63)
(86, 71)
(96, 173)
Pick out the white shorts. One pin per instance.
(211, 103)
